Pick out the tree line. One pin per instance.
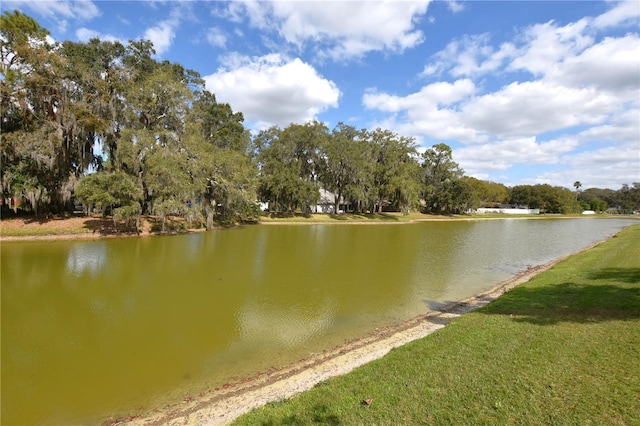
(107, 125)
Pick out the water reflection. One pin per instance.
(285, 326)
(86, 257)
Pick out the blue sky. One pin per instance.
(524, 92)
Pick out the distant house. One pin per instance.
(326, 204)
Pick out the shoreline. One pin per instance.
(101, 228)
(79, 228)
(97, 235)
(223, 405)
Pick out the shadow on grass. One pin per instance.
(288, 215)
(625, 275)
(569, 302)
(319, 416)
(565, 302)
(40, 219)
(45, 218)
(106, 227)
(383, 217)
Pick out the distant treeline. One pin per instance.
(167, 147)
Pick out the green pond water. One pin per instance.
(98, 329)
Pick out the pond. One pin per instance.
(99, 328)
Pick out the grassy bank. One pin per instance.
(560, 349)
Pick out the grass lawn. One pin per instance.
(42, 226)
(563, 348)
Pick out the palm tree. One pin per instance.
(577, 184)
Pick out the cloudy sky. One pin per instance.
(524, 92)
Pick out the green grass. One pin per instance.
(563, 349)
(42, 232)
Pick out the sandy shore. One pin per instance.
(222, 406)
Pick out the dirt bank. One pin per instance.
(71, 228)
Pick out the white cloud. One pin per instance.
(606, 167)
(455, 6)
(164, 32)
(596, 157)
(623, 13)
(86, 34)
(469, 56)
(530, 108)
(216, 38)
(340, 29)
(619, 72)
(623, 127)
(161, 36)
(270, 90)
(453, 111)
(502, 155)
(441, 93)
(60, 11)
(432, 111)
(545, 45)
(567, 54)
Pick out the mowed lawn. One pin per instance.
(563, 348)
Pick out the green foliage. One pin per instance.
(22, 38)
(288, 161)
(107, 190)
(545, 197)
(130, 214)
(364, 170)
(488, 193)
(598, 205)
(59, 102)
(396, 171)
(444, 192)
(344, 162)
(33, 150)
(218, 124)
(625, 200)
(168, 207)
